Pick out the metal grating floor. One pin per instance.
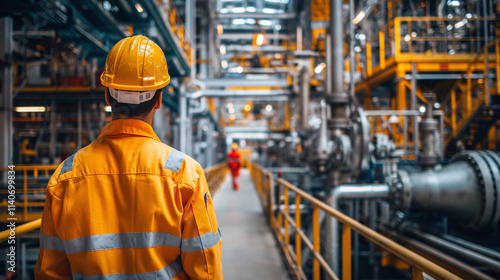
(249, 250)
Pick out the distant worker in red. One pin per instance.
(234, 162)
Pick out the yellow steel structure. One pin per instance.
(265, 188)
(27, 170)
(397, 53)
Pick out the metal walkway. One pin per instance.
(249, 250)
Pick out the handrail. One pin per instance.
(215, 177)
(281, 230)
(25, 203)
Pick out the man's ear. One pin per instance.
(158, 100)
(106, 96)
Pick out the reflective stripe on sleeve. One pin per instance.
(174, 160)
(68, 164)
(120, 240)
(200, 243)
(48, 242)
(168, 272)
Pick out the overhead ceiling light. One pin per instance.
(278, 1)
(107, 109)
(106, 5)
(393, 119)
(224, 10)
(238, 10)
(250, 21)
(238, 21)
(454, 3)
(251, 9)
(269, 107)
(422, 109)
(239, 69)
(271, 11)
(265, 22)
(319, 68)
(220, 29)
(30, 109)
(224, 64)
(359, 17)
(260, 39)
(277, 27)
(223, 50)
(139, 8)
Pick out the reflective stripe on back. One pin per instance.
(48, 242)
(68, 164)
(174, 160)
(168, 272)
(200, 243)
(120, 240)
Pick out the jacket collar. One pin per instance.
(130, 127)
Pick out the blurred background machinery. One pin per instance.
(386, 110)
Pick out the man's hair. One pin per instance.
(132, 110)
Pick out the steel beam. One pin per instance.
(245, 93)
(6, 128)
(245, 83)
(257, 15)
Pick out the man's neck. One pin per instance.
(147, 118)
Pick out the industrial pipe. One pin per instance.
(337, 98)
(304, 98)
(466, 190)
(456, 250)
(368, 191)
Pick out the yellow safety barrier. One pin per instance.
(26, 170)
(265, 186)
(22, 229)
(215, 177)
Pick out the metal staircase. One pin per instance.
(470, 111)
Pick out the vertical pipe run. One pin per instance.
(337, 36)
(486, 60)
(6, 102)
(183, 119)
(80, 125)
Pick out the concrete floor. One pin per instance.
(249, 250)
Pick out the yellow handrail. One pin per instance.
(419, 263)
(20, 230)
(26, 170)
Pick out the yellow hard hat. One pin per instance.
(234, 146)
(135, 64)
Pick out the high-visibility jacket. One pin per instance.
(234, 162)
(128, 206)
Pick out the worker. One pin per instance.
(234, 162)
(128, 206)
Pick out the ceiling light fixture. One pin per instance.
(139, 8)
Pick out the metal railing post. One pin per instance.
(298, 245)
(316, 244)
(346, 252)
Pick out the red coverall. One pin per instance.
(234, 162)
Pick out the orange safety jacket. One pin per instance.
(128, 206)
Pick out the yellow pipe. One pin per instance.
(380, 240)
(453, 112)
(22, 229)
(368, 59)
(382, 49)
